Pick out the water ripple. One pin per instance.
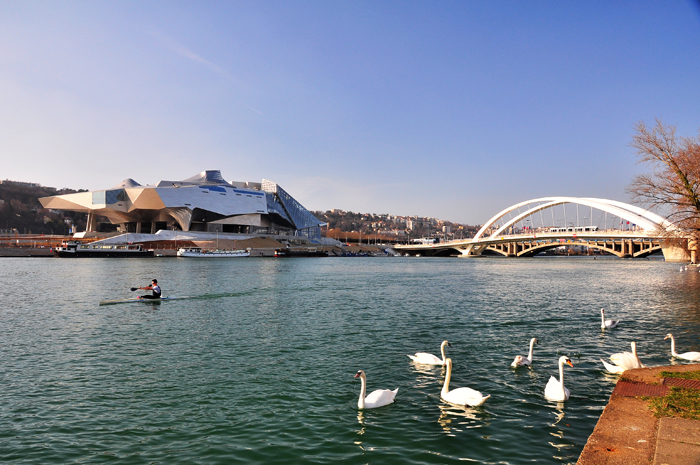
(259, 366)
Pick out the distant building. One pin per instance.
(20, 183)
(204, 202)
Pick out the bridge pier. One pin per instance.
(677, 251)
(693, 247)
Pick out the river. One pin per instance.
(258, 365)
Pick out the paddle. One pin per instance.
(134, 289)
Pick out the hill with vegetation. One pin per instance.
(22, 213)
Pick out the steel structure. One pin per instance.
(204, 202)
(497, 234)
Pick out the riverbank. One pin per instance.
(25, 252)
(256, 250)
(628, 431)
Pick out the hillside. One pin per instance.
(21, 212)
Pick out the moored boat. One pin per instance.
(95, 249)
(289, 252)
(197, 252)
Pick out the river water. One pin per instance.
(258, 366)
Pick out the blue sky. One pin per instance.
(454, 110)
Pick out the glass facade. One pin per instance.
(274, 207)
(304, 222)
(108, 197)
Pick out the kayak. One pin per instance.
(136, 299)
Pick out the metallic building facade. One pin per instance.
(204, 202)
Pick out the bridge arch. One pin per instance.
(645, 219)
(523, 230)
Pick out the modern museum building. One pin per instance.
(204, 202)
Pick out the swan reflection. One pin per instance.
(559, 433)
(361, 421)
(559, 413)
(452, 417)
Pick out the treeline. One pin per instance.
(21, 211)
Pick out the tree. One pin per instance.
(674, 183)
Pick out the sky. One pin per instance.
(454, 110)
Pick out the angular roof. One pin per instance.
(126, 184)
(207, 177)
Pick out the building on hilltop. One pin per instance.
(20, 183)
(204, 202)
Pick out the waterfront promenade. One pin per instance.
(628, 432)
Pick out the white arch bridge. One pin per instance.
(533, 226)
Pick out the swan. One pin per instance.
(555, 389)
(623, 361)
(606, 324)
(692, 356)
(430, 359)
(461, 396)
(378, 398)
(523, 361)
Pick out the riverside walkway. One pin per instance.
(627, 431)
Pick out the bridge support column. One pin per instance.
(675, 251)
(91, 222)
(693, 247)
(627, 249)
(468, 252)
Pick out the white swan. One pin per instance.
(378, 398)
(692, 356)
(520, 360)
(555, 389)
(623, 361)
(606, 324)
(460, 396)
(430, 359)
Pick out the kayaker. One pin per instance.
(153, 287)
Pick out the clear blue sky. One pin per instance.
(454, 110)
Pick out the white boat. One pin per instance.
(97, 249)
(197, 252)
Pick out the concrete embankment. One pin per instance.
(628, 432)
(25, 252)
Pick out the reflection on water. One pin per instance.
(361, 421)
(459, 418)
(559, 413)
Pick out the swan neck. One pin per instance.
(442, 351)
(532, 346)
(363, 390)
(673, 346)
(448, 375)
(561, 373)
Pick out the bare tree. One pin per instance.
(674, 183)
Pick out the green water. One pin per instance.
(259, 367)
